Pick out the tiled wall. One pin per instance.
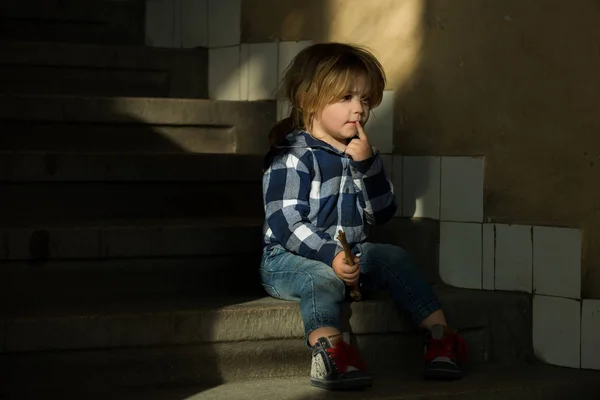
(543, 261)
(474, 254)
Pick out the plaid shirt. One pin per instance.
(312, 190)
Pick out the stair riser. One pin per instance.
(218, 363)
(106, 261)
(206, 276)
(130, 200)
(59, 68)
(38, 79)
(133, 167)
(185, 239)
(102, 242)
(118, 22)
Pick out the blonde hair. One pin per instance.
(322, 74)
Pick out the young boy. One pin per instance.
(323, 176)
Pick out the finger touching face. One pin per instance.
(361, 132)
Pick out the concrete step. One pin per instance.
(129, 238)
(129, 167)
(90, 21)
(102, 70)
(135, 341)
(26, 201)
(137, 321)
(210, 275)
(58, 258)
(133, 124)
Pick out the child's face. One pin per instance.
(338, 120)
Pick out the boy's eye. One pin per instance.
(347, 97)
(365, 100)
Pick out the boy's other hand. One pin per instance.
(348, 273)
(359, 149)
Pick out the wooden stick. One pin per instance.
(355, 293)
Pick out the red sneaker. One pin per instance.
(337, 365)
(445, 350)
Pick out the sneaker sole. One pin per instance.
(343, 384)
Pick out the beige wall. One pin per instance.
(516, 81)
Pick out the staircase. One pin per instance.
(130, 227)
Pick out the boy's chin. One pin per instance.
(348, 133)
(346, 137)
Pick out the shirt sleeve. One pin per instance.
(378, 190)
(286, 189)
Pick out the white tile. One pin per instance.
(557, 261)
(421, 187)
(380, 127)
(514, 258)
(194, 23)
(590, 337)
(460, 254)
(557, 330)
(262, 71)
(224, 73)
(397, 164)
(224, 19)
(287, 52)
(160, 23)
(488, 256)
(462, 189)
(284, 109)
(244, 71)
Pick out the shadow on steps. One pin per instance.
(55, 356)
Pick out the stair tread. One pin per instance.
(527, 382)
(155, 304)
(76, 122)
(140, 166)
(126, 321)
(72, 99)
(138, 305)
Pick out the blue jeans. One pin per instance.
(315, 285)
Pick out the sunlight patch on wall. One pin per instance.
(392, 29)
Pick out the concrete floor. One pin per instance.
(492, 383)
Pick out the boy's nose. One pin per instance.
(358, 107)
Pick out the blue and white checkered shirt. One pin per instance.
(312, 190)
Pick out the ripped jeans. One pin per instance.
(288, 276)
